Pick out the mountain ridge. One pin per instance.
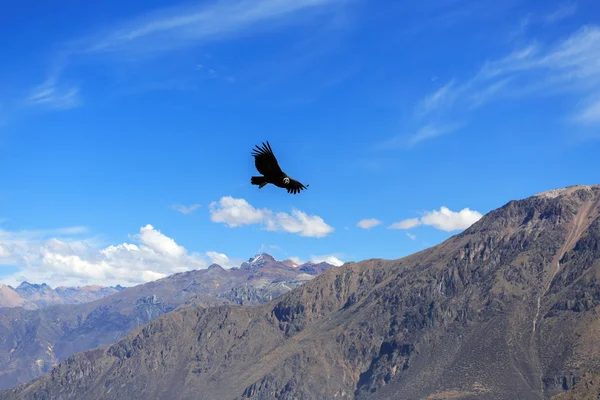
(36, 340)
(32, 296)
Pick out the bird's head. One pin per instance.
(286, 180)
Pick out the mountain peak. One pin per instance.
(258, 261)
(32, 286)
(262, 257)
(24, 284)
(540, 211)
(215, 267)
(289, 263)
(553, 193)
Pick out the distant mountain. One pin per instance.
(10, 298)
(314, 269)
(263, 292)
(507, 309)
(85, 294)
(33, 341)
(34, 296)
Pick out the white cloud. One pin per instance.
(185, 209)
(4, 251)
(331, 259)
(72, 262)
(368, 223)
(447, 220)
(411, 236)
(169, 29)
(299, 222)
(21, 241)
(160, 243)
(237, 212)
(444, 219)
(296, 260)
(222, 260)
(406, 224)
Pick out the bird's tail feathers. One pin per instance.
(258, 180)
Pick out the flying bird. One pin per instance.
(266, 164)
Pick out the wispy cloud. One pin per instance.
(590, 113)
(41, 234)
(565, 10)
(427, 132)
(175, 28)
(443, 219)
(569, 67)
(53, 94)
(211, 73)
(411, 236)
(406, 224)
(185, 209)
(441, 97)
(238, 212)
(442, 14)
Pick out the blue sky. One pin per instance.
(115, 117)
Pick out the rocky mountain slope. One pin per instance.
(505, 310)
(586, 388)
(34, 296)
(33, 341)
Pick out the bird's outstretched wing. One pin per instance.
(265, 160)
(295, 187)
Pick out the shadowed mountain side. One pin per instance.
(504, 310)
(587, 388)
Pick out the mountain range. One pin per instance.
(34, 296)
(34, 341)
(506, 309)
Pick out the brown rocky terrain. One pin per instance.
(587, 388)
(507, 309)
(34, 341)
